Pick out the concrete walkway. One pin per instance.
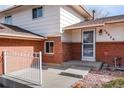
(53, 79)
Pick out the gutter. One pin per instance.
(86, 12)
(78, 27)
(4, 35)
(94, 25)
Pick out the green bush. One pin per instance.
(118, 83)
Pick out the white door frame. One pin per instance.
(94, 46)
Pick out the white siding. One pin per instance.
(67, 36)
(68, 16)
(54, 19)
(76, 35)
(115, 30)
(1, 19)
(46, 25)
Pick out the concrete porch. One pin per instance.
(92, 65)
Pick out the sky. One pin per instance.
(111, 10)
(4, 7)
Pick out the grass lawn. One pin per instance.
(117, 83)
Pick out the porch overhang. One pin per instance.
(96, 22)
(81, 27)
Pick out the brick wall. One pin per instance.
(18, 46)
(106, 51)
(76, 51)
(71, 51)
(67, 51)
(57, 56)
(62, 51)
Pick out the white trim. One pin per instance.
(5, 60)
(40, 57)
(94, 49)
(45, 47)
(43, 9)
(79, 27)
(21, 38)
(36, 9)
(6, 19)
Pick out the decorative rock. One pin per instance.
(97, 78)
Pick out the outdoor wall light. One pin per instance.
(100, 32)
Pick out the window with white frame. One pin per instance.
(49, 47)
(8, 19)
(37, 12)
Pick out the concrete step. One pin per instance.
(77, 72)
(92, 65)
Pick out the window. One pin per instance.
(37, 12)
(8, 19)
(49, 47)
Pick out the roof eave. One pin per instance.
(82, 11)
(80, 27)
(93, 25)
(30, 36)
(10, 8)
(20, 37)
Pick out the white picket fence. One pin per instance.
(24, 66)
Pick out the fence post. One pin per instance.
(5, 61)
(40, 59)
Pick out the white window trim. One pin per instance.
(5, 19)
(40, 16)
(45, 47)
(89, 58)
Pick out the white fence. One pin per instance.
(24, 66)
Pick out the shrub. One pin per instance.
(118, 83)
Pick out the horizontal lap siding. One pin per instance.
(48, 24)
(112, 49)
(68, 16)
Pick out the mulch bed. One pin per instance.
(97, 78)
